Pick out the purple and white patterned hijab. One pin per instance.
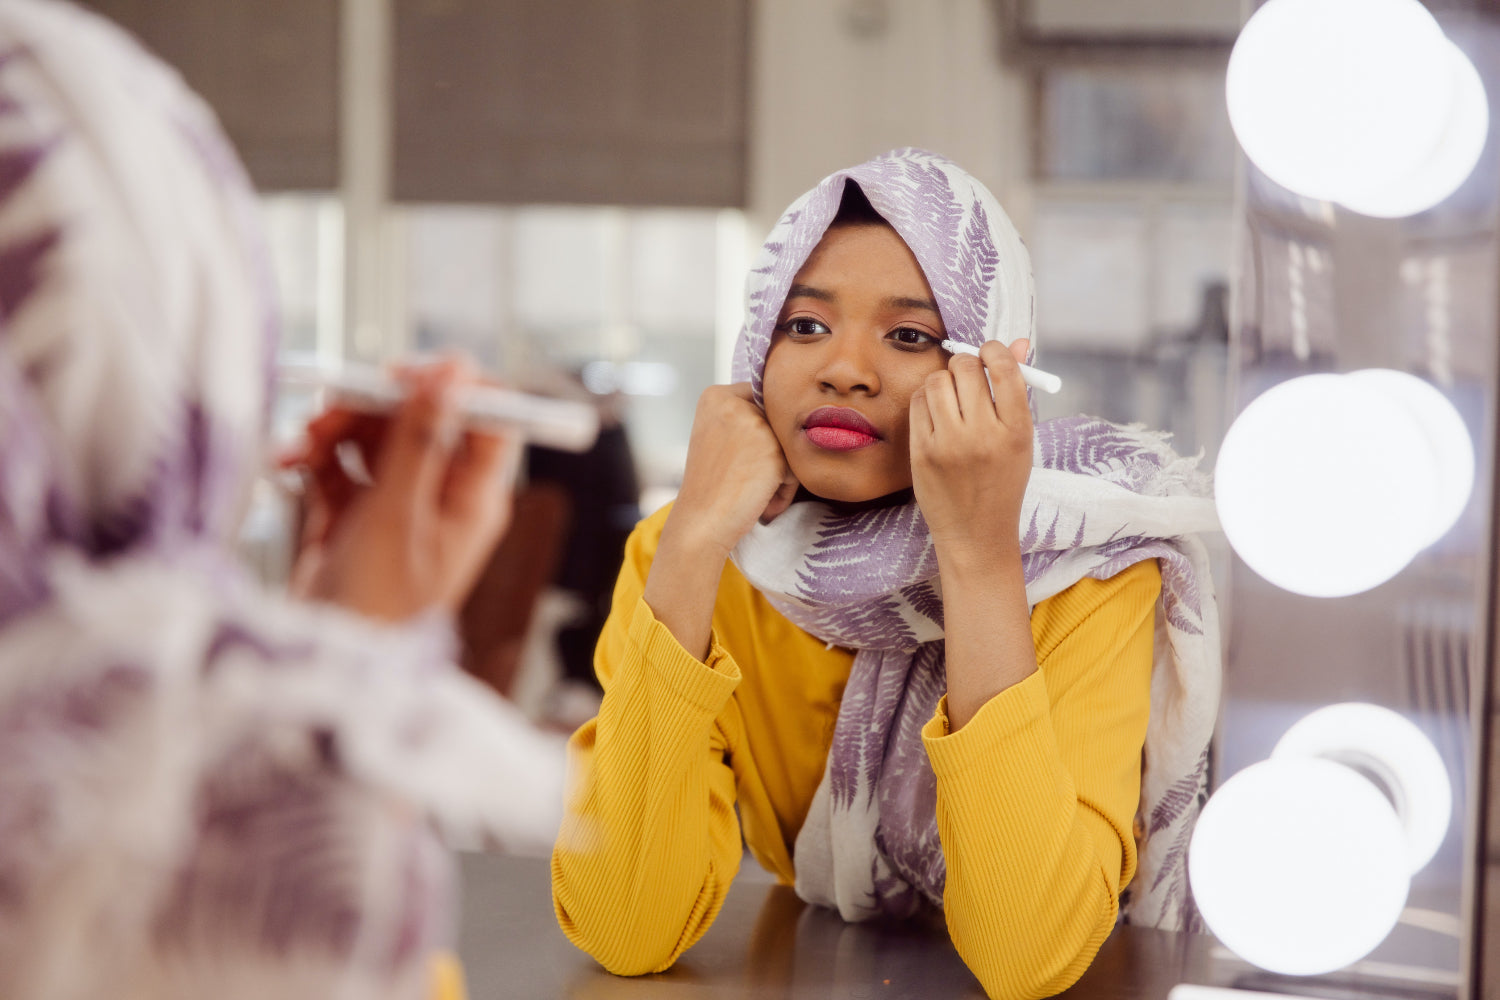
(1100, 498)
(205, 790)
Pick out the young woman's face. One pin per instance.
(857, 336)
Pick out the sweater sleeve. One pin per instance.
(650, 842)
(446, 977)
(1036, 796)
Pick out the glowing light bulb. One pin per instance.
(1291, 859)
(1447, 436)
(1450, 160)
(1290, 865)
(1325, 487)
(1391, 748)
(1340, 99)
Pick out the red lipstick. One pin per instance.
(839, 428)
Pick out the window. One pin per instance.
(643, 300)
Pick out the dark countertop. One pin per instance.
(767, 943)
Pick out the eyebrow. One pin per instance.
(809, 292)
(904, 302)
(892, 302)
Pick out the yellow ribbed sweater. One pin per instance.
(1036, 796)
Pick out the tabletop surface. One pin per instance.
(768, 943)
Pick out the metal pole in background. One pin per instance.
(365, 125)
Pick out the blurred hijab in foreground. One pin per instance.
(205, 790)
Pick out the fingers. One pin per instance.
(971, 384)
(324, 463)
(421, 439)
(942, 398)
(1011, 404)
(973, 391)
(1019, 349)
(481, 473)
(782, 498)
(920, 419)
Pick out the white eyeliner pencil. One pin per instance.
(1034, 377)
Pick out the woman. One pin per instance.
(207, 790)
(927, 679)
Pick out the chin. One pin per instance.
(846, 489)
(839, 493)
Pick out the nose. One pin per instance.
(848, 366)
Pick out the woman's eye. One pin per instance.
(804, 327)
(910, 337)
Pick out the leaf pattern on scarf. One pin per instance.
(1179, 809)
(849, 757)
(192, 482)
(234, 637)
(19, 163)
(860, 555)
(21, 270)
(1174, 863)
(58, 745)
(913, 192)
(907, 787)
(300, 841)
(20, 262)
(1094, 447)
(781, 257)
(9, 104)
(1184, 793)
(1034, 539)
(897, 893)
(1181, 584)
(924, 600)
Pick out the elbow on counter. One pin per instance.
(1043, 953)
(614, 929)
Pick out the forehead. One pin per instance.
(856, 260)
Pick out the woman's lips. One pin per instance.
(838, 428)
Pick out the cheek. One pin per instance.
(778, 391)
(902, 390)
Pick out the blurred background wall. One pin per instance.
(554, 185)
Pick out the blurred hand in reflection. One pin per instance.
(402, 509)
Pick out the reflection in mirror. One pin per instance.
(1319, 288)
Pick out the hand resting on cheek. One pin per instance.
(736, 475)
(736, 471)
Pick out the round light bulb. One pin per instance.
(1290, 866)
(1325, 487)
(1450, 161)
(1447, 436)
(1336, 99)
(1392, 748)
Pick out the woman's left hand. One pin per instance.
(971, 454)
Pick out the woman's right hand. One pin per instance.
(736, 472)
(736, 475)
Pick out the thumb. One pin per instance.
(1019, 348)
